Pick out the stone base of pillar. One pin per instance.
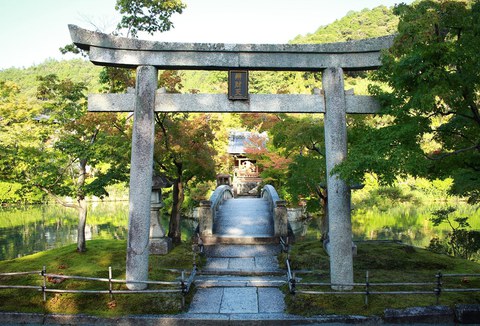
(160, 246)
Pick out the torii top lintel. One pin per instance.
(108, 50)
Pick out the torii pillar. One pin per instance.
(141, 169)
(339, 194)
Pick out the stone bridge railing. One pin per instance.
(208, 209)
(278, 209)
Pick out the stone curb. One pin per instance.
(266, 319)
(432, 314)
(462, 313)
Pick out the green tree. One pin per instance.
(431, 105)
(184, 152)
(62, 150)
(147, 15)
(19, 131)
(89, 149)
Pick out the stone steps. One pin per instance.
(261, 239)
(240, 251)
(236, 272)
(204, 281)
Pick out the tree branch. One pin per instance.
(440, 157)
(315, 148)
(56, 198)
(161, 123)
(450, 132)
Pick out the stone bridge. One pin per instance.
(245, 220)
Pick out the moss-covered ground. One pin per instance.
(385, 262)
(94, 262)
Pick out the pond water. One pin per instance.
(31, 229)
(405, 222)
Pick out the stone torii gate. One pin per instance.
(147, 57)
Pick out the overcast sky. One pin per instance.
(32, 31)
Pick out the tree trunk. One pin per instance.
(82, 221)
(174, 231)
(82, 207)
(323, 196)
(325, 219)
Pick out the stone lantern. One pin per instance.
(159, 243)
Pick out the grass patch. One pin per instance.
(94, 262)
(386, 262)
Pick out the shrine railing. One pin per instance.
(208, 209)
(278, 209)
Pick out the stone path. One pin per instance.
(240, 278)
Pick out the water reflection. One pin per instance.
(24, 231)
(32, 229)
(411, 226)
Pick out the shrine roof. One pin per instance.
(240, 141)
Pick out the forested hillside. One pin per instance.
(78, 70)
(367, 23)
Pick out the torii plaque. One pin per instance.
(148, 56)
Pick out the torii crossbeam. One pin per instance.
(147, 57)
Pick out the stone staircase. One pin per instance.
(239, 279)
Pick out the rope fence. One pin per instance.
(435, 287)
(182, 286)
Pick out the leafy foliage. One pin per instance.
(432, 100)
(184, 153)
(460, 242)
(147, 15)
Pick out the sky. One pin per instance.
(32, 31)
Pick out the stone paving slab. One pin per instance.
(266, 262)
(239, 300)
(238, 251)
(207, 301)
(242, 264)
(270, 300)
(239, 281)
(217, 263)
(251, 264)
(244, 217)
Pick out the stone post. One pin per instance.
(340, 225)
(141, 169)
(280, 218)
(205, 218)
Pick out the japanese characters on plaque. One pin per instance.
(238, 85)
